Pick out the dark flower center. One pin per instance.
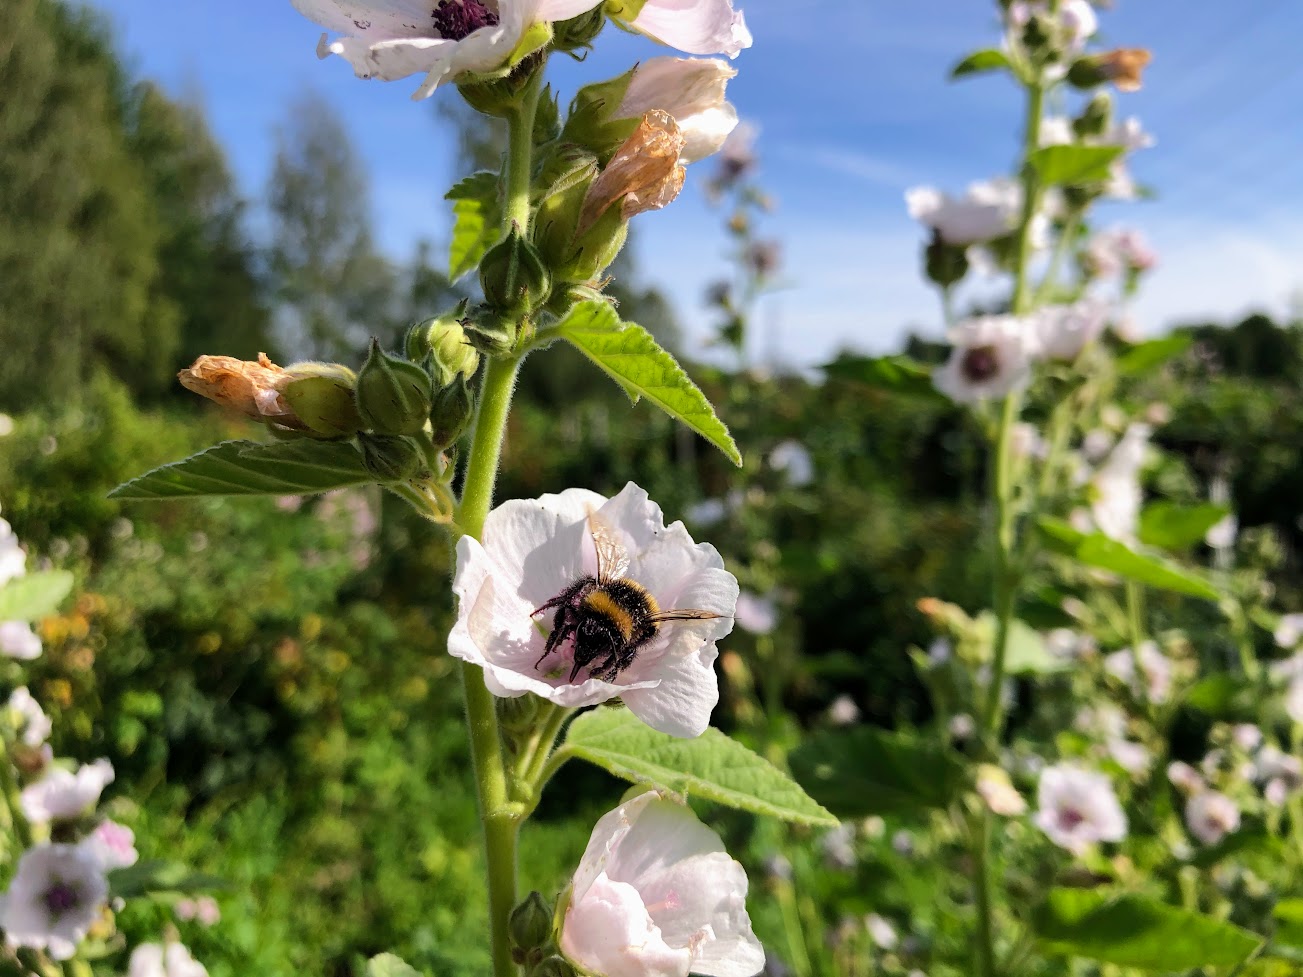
(61, 897)
(1070, 818)
(980, 364)
(456, 19)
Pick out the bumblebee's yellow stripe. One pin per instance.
(601, 602)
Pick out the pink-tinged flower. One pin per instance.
(639, 622)
(63, 796)
(692, 90)
(992, 357)
(1065, 330)
(755, 614)
(989, 209)
(656, 895)
(694, 26)
(1211, 816)
(28, 718)
(53, 900)
(1117, 251)
(1289, 635)
(1155, 666)
(1132, 757)
(172, 960)
(1115, 492)
(18, 640)
(1185, 778)
(1078, 808)
(113, 845)
(1077, 19)
(392, 39)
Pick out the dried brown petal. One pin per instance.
(644, 174)
(1123, 67)
(253, 389)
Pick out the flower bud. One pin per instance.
(321, 394)
(444, 340)
(578, 33)
(1096, 119)
(1122, 67)
(503, 95)
(517, 714)
(572, 257)
(514, 278)
(389, 457)
(946, 264)
(530, 924)
(554, 966)
(393, 395)
(452, 411)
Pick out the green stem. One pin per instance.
(798, 953)
(1031, 198)
(1006, 575)
(22, 831)
(984, 890)
(532, 769)
(1061, 246)
(520, 156)
(1135, 625)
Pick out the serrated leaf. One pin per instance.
(34, 596)
(711, 766)
(893, 374)
(390, 965)
(1131, 931)
(477, 216)
(629, 354)
(1170, 526)
(862, 771)
(158, 875)
(990, 59)
(1102, 552)
(1143, 357)
(1073, 165)
(300, 467)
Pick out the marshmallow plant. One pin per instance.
(587, 626)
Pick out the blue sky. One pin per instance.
(853, 107)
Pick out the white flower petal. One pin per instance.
(609, 932)
(544, 541)
(695, 26)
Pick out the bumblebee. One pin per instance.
(609, 616)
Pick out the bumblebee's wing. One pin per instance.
(612, 557)
(684, 614)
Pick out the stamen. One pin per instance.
(980, 363)
(61, 897)
(458, 19)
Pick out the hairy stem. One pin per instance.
(18, 826)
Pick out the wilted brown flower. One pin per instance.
(253, 389)
(644, 174)
(1122, 67)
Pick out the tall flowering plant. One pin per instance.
(571, 600)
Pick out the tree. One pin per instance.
(335, 289)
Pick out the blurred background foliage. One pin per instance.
(266, 676)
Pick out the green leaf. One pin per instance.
(159, 875)
(1131, 931)
(34, 596)
(1288, 914)
(1073, 165)
(628, 354)
(1026, 652)
(892, 374)
(1221, 696)
(389, 965)
(711, 766)
(865, 770)
(1104, 553)
(1250, 841)
(477, 215)
(299, 467)
(1177, 527)
(979, 62)
(1146, 356)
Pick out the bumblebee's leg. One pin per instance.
(562, 627)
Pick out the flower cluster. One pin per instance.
(17, 639)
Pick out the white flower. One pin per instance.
(53, 900)
(1153, 663)
(991, 358)
(692, 90)
(1115, 492)
(62, 795)
(535, 551)
(1076, 17)
(881, 932)
(961, 726)
(1096, 444)
(1118, 250)
(29, 719)
(392, 39)
(843, 711)
(998, 792)
(1070, 644)
(1221, 535)
(1293, 701)
(656, 895)
(1078, 808)
(18, 640)
(1272, 763)
(1246, 736)
(989, 209)
(1065, 330)
(113, 845)
(755, 614)
(695, 26)
(1289, 633)
(792, 459)
(1025, 441)
(940, 651)
(13, 561)
(1211, 816)
(1185, 777)
(1130, 756)
(173, 960)
(838, 846)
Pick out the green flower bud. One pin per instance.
(452, 411)
(578, 33)
(572, 257)
(945, 264)
(490, 333)
(321, 395)
(502, 93)
(390, 457)
(553, 966)
(444, 340)
(1096, 118)
(393, 395)
(592, 124)
(517, 715)
(514, 278)
(530, 924)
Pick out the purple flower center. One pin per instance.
(60, 898)
(980, 364)
(1070, 818)
(457, 19)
